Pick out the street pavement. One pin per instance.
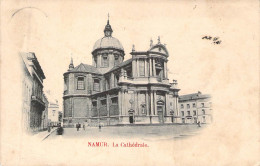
(148, 132)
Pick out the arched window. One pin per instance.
(80, 83)
(104, 60)
(116, 59)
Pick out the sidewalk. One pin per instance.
(44, 134)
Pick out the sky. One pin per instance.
(57, 31)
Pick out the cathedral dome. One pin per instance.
(108, 41)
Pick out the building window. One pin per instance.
(188, 113)
(116, 59)
(193, 105)
(202, 104)
(80, 83)
(104, 60)
(194, 113)
(103, 102)
(114, 100)
(182, 113)
(203, 112)
(94, 104)
(96, 85)
(188, 105)
(182, 106)
(141, 67)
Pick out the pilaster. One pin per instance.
(152, 103)
(154, 72)
(137, 67)
(150, 67)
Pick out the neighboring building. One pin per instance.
(195, 108)
(33, 104)
(53, 113)
(45, 113)
(113, 91)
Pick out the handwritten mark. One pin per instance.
(214, 39)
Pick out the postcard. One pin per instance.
(129, 83)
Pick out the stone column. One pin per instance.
(108, 104)
(147, 103)
(155, 103)
(98, 108)
(177, 107)
(134, 68)
(137, 67)
(167, 102)
(154, 71)
(112, 83)
(119, 101)
(150, 67)
(152, 103)
(164, 70)
(126, 103)
(123, 102)
(145, 68)
(72, 107)
(136, 103)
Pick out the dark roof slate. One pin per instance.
(86, 68)
(193, 96)
(121, 65)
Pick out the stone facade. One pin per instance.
(196, 107)
(113, 91)
(33, 104)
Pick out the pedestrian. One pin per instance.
(83, 126)
(99, 127)
(77, 126)
(199, 123)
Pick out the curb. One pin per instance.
(49, 134)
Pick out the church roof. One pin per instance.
(121, 65)
(85, 68)
(193, 96)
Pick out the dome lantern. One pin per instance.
(108, 29)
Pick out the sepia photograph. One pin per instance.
(129, 83)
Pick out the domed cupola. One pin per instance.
(107, 51)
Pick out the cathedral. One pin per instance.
(115, 91)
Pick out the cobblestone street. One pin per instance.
(143, 132)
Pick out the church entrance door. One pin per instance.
(131, 119)
(160, 113)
